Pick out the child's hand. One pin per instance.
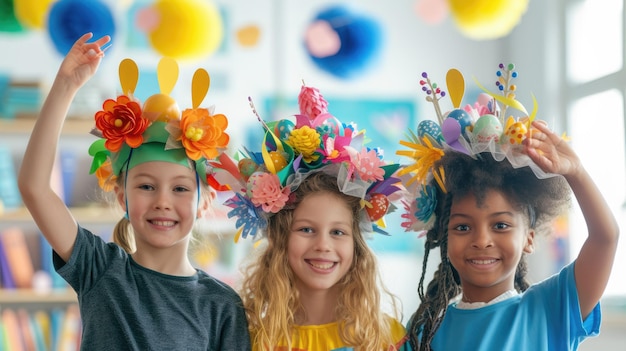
(82, 61)
(551, 152)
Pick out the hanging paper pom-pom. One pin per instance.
(360, 39)
(487, 19)
(183, 28)
(8, 20)
(68, 20)
(32, 14)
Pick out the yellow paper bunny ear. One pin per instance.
(456, 86)
(162, 107)
(199, 87)
(129, 75)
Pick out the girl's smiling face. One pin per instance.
(485, 244)
(321, 243)
(162, 203)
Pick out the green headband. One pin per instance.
(154, 148)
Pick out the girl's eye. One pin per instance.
(146, 187)
(338, 232)
(306, 230)
(501, 226)
(461, 228)
(180, 189)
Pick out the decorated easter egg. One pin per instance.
(464, 118)
(278, 159)
(283, 128)
(487, 128)
(251, 183)
(380, 205)
(161, 107)
(431, 130)
(246, 167)
(331, 126)
(516, 133)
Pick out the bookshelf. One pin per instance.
(24, 123)
(23, 310)
(30, 296)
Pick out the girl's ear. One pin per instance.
(530, 240)
(205, 203)
(121, 197)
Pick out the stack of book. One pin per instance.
(19, 97)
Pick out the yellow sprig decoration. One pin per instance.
(425, 157)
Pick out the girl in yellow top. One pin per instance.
(314, 192)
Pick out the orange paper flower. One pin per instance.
(121, 121)
(202, 134)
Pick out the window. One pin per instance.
(593, 93)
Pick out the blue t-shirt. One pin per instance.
(545, 317)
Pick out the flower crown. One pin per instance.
(317, 141)
(158, 131)
(473, 129)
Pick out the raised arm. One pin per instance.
(47, 209)
(595, 260)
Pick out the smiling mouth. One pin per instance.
(321, 265)
(483, 262)
(163, 223)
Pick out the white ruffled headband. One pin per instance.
(290, 152)
(473, 129)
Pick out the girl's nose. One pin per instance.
(322, 242)
(162, 201)
(482, 238)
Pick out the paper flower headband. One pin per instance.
(158, 131)
(317, 141)
(473, 129)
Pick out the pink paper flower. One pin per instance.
(368, 165)
(268, 193)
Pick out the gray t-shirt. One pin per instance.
(125, 306)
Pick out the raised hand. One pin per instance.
(82, 61)
(551, 152)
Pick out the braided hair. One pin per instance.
(540, 200)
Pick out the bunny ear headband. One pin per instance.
(316, 142)
(473, 129)
(131, 134)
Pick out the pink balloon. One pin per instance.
(322, 40)
(147, 19)
(432, 11)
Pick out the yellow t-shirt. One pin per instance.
(325, 337)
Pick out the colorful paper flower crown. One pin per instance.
(473, 129)
(317, 141)
(156, 131)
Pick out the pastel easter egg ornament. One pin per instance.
(464, 119)
(247, 167)
(515, 133)
(252, 182)
(283, 128)
(487, 128)
(431, 130)
(380, 205)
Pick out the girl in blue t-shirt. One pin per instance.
(483, 195)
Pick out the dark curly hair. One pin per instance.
(540, 200)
